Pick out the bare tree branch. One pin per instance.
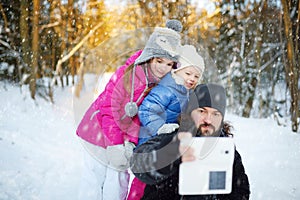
(71, 53)
(48, 26)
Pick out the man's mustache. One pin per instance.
(215, 133)
(207, 125)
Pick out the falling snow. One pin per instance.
(41, 157)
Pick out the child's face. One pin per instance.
(161, 66)
(190, 76)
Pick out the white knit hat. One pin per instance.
(190, 57)
(163, 43)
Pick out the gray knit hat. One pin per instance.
(163, 42)
(208, 95)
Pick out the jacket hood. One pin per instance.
(133, 57)
(169, 81)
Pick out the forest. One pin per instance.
(250, 46)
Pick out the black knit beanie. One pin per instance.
(208, 95)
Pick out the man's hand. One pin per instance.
(185, 149)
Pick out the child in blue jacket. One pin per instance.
(160, 109)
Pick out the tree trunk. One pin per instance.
(70, 37)
(292, 75)
(255, 77)
(4, 17)
(55, 38)
(63, 46)
(35, 48)
(25, 38)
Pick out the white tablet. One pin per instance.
(211, 172)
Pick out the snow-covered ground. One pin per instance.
(41, 157)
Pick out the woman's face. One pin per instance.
(190, 76)
(161, 66)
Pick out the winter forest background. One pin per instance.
(250, 46)
(56, 56)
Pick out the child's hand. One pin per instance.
(129, 147)
(167, 128)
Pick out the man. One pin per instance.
(157, 161)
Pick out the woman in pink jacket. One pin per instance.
(110, 127)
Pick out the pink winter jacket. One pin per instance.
(104, 123)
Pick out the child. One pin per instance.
(110, 127)
(160, 109)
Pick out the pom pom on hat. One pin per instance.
(174, 25)
(163, 43)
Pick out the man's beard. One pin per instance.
(207, 133)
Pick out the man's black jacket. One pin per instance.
(157, 161)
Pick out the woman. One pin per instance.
(109, 129)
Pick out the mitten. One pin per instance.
(129, 147)
(116, 157)
(167, 128)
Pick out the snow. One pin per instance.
(41, 157)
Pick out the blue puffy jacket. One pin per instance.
(162, 105)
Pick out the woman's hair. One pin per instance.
(175, 65)
(128, 74)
